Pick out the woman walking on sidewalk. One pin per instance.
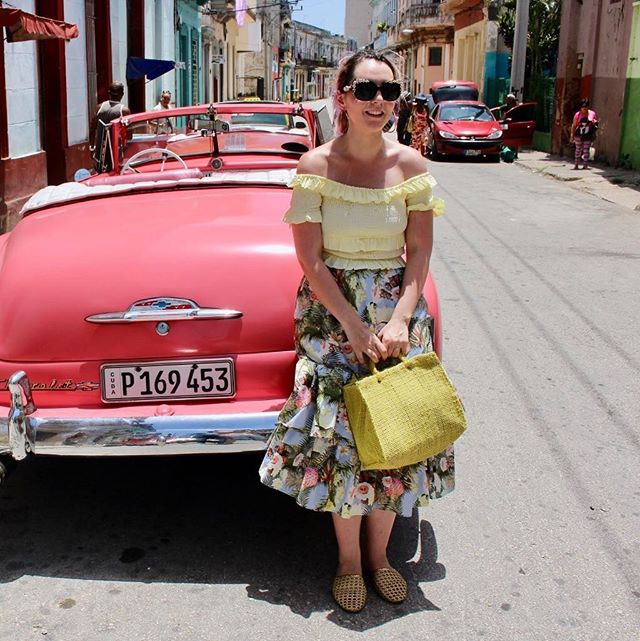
(358, 202)
(583, 131)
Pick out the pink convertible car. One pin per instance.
(147, 309)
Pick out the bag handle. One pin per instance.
(374, 370)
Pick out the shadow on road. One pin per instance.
(192, 520)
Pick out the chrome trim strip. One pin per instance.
(166, 315)
(20, 429)
(21, 433)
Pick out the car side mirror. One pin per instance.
(220, 126)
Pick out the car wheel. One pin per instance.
(494, 158)
(435, 154)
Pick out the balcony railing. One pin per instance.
(423, 15)
(315, 62)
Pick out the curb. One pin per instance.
(621, 187)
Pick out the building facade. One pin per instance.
(317, 53)
(479, 52)
(630, 143)
(594, 63)
(422, 36)
(357, 23)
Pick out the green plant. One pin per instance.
(625, 162)
(543, 34)
(382, 27)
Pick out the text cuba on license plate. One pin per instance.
(168, 380)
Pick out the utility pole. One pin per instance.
(520, 48)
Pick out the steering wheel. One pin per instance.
(148, 152)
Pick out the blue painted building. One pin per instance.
(189, 80)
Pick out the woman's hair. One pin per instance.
(584, 103)
(345, 77)
(404, 102)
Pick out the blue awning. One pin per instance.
(140, 67)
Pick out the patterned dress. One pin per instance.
(311, 454)
(419, 129)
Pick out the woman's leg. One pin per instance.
(348, 537)
(378, 529)
(578, 154)
(586, 145)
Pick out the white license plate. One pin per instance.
(168, 380)
(471, 152)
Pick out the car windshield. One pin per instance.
(193, 135)
(274, 120)
(465, 112)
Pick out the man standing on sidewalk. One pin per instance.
(107, 111)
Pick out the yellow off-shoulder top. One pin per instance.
(362, 228)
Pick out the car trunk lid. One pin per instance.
(223, 247)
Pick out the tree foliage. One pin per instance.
(543, 35)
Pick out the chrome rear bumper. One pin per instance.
(23, 433)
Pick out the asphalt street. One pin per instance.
(540, 541)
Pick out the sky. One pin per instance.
(328, 14)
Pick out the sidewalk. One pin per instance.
(620, 186)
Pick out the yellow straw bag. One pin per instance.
(404, 414)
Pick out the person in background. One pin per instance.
(583, 132)
(500, 113)
(418, 123)
(163, 125)
(107, 111)
(358, 204)
(510, 102)
(404, 113)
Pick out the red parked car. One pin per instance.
(517, 125)
(149, 309)
(463, 128)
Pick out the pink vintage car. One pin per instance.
(148, 309)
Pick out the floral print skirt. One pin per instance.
(311, 454)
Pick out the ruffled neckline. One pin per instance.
(335, 189)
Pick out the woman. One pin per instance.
(404, 113)
(419, 123)
(583, 131)
(357, 202)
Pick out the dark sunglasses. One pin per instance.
(368, 90)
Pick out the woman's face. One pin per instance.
(370, 115)
(584, 111)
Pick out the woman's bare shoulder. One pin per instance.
(315, 161)
(411, 161)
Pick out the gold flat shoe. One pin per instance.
(390, 585)
(350, 592)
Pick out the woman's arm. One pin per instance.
(307, 238)
(418, 246)
(419, 243)
(574, 124)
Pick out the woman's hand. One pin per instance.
(365, 344)
(395, 337)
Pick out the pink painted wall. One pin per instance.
(592, 63)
